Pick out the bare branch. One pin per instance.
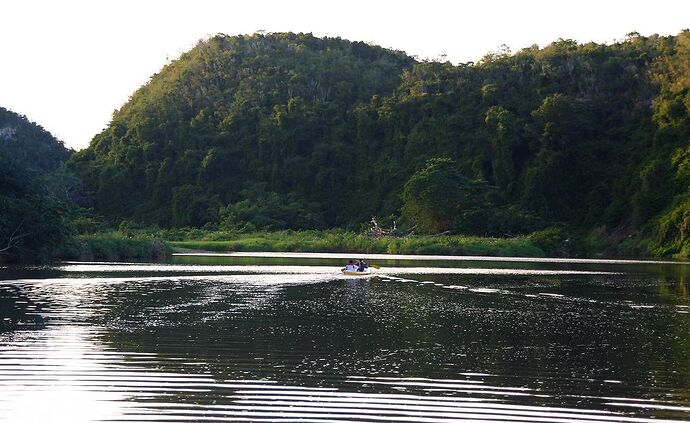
(14, 237)
(377, 231)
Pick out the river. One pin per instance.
(264, 338)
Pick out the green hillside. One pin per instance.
(283, 131)
(261, 117)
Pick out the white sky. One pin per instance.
(67, 65)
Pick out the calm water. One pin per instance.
(285, 339)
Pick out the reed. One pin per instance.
(118, 246)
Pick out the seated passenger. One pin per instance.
(350, 266)
(361, 265)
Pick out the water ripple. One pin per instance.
(160, 343)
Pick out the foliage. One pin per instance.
(343, 241)
(28, 145)
(436, 194)
(117, 246)
(664, 194)
(586, 136)
(191, 207)
(437, 198)
(34, 208)
(269, 211)
(34, 228)
(232, 112)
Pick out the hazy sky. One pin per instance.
(67, 65)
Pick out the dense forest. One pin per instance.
(257, 127)
(35, 218)
(283, 130)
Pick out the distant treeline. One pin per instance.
(289, 131)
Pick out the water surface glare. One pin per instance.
(252, 339)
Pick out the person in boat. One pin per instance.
(362, 266)
(350, 266)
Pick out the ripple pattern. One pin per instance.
(152, 343)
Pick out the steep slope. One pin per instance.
(29, 145)
(593, 136)
(236, 117)
(561, 131)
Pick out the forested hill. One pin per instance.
(29, 145)
(265, 114)
(33, 218)
(289, 130)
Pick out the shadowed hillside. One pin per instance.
(33, 213)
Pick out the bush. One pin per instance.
(550, 240)
(266, 210)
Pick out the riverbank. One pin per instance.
(159, 244)
(117, 246)
(348, 242)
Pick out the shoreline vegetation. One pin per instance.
(117, 246)
(348, 242)
(160, 244)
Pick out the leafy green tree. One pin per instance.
(436, 194)
(191, 206)
(505, 142)
(267, 210)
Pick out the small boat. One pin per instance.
(357, 273)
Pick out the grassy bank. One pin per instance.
(349, 242)
(155, 244)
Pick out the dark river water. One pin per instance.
(285, 339)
